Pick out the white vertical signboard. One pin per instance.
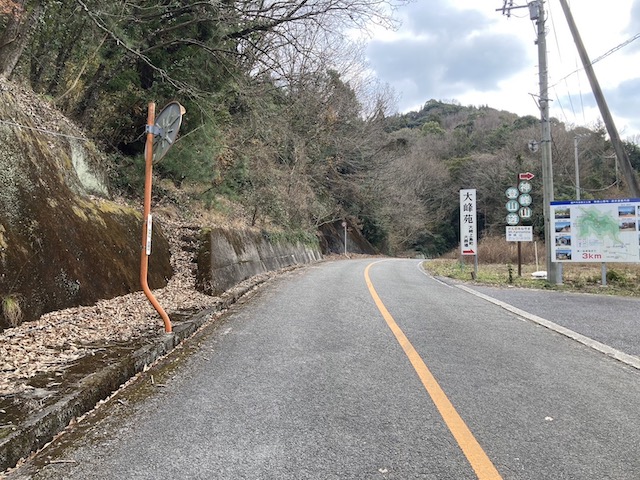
(468, 228)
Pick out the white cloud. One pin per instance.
(467, 51)
(441, 52)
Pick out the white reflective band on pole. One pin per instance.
(149, 228)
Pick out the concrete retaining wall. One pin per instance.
(227, 257)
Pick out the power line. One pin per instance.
(560, 105)
(601, 57)
(577, 70)
(584, 118)
(615, 49)
(625, 162)
(42, 130)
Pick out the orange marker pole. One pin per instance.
(146, 227)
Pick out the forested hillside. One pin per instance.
(284, 130)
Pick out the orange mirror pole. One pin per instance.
(147, 222)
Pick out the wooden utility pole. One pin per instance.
(623, 158)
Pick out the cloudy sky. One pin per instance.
(465, 50)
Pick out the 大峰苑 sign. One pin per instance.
(468, 227)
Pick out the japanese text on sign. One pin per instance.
(468, 227)
(596, 230)
(519, 234)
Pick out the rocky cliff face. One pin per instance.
(62, 242)
(332, 239)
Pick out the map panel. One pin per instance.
(596, 231)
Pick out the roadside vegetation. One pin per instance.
(498, 266)
(11, 309)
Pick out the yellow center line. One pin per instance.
(484, 468)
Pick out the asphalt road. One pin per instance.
(614, 321)
(323, 376)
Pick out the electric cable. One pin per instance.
(42, 130)
(603, 56)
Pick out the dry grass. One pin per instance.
(498, 250)
(498, 265)
(11, 310)
(622, 279)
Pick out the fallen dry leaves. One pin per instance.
(59, 338)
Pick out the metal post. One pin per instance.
(519, 259)
(475, 266)
(554, 274)
(575, 151)
(519, 243)
(146, 221)
(344, 224)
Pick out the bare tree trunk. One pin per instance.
(15, 36)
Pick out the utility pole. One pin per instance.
(537, 14)
(625, 163)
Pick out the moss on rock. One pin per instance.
(58, 246)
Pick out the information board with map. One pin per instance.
(596, 230)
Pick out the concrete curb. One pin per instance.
(625, 358)
(40, 427)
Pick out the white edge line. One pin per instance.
(424, 272)
(625, 358)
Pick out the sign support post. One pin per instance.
(147, 221)
(161, 133)
(519, 258)
(344, 226)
